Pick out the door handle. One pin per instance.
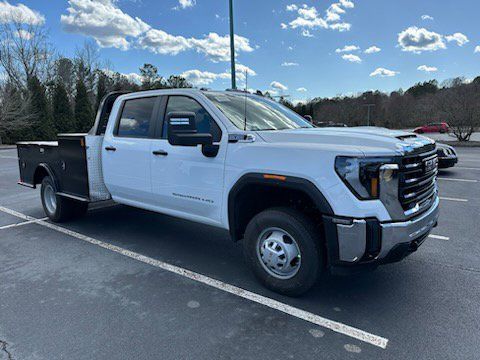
(110, 148)
(160, 153)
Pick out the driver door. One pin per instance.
(185, 182)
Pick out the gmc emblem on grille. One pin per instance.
(430, 164)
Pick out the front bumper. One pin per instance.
(368, 242)
(446, 162)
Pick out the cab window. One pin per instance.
(136, 117)
(204, 121)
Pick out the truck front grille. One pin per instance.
(417, 180)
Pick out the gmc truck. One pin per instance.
(303, 200)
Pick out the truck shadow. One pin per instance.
(210, 251)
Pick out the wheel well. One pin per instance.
(253, 198)
(41, 172)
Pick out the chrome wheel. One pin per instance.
(279, 253)
(50, 199)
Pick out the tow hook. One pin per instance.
(414, 245)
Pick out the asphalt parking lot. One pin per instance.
(115, 285)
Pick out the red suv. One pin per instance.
(433, 128)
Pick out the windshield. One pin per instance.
(260, 113)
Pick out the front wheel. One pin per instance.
(59, 208)
(284, 251)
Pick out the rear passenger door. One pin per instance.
(185, 182)
(126, 151)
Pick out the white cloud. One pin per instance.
(341, 27)
(309, 18)
(159, 42)
(459, 38)
(334, 12)
(352, 58)
(284, 26)
(477, 49)
(382, 72)
(347, 48)
(372, 50)
(133, 77)
(111, 27)
(103, 21)
(292, 7)
(347, 4)
(416, 40)
(203, 78)
(278, 86)
(287, 64)
(24, 34)
(427, 69)
(307, 33)
(427, 17)
(217, 47)
(183, 4)
(302, 89)
(20, 13)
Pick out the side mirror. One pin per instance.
(182, 130)
(308, 118)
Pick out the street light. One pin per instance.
(232, 48)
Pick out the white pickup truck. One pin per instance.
(303, 200)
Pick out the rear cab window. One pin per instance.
(136, 118)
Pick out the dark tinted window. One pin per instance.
(205, 123)
(136, 117)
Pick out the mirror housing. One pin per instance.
(308, 118)
(182, 130)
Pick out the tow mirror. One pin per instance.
(182, 130)
(308, 118)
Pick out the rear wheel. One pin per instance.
(283, 250)
(59, 208)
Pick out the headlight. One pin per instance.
(361, 175)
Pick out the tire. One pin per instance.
(58, 208)
(297, 226)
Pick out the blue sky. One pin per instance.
(190, 37)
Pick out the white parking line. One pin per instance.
(461, 180)
(245, 294)
(453, 199)
(467, 168)
(22, 223)
(439, 237)
(8, 157)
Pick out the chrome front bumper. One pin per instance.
(354, 237)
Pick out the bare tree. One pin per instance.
(24, 52)
(460, 107)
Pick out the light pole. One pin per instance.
(232, 48)
(369, 106)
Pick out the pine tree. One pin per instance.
(83, 110)
(42, 124)
(62, 111)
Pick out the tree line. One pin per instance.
(43, 94)
(455, 101)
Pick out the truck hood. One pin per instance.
(369, 140)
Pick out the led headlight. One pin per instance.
(361, 175)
